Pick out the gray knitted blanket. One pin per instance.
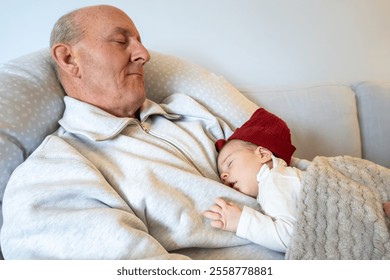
(340, 211)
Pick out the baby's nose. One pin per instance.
(224, 176)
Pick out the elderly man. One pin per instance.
(123, 177)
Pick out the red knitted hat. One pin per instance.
(266, 130)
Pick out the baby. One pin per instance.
(255, 161)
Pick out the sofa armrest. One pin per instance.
(373, 103)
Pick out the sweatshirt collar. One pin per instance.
(98, 125)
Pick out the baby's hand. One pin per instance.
(224, 215)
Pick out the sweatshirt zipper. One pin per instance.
(181, 152)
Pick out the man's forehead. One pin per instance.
(111, 26)
(128, 31)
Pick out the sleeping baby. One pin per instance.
(255, 160)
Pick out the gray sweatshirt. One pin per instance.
(103, 187)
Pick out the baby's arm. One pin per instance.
(254, 226)
(224, 215)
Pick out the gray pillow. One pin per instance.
(31, 102)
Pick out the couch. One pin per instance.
(325, 119)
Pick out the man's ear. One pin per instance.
(62, 54)
(264, 154)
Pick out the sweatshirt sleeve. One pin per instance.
(63, 208)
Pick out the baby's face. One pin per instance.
(238, 165)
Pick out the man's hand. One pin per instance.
(224, 215)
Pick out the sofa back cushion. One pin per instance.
(323, 119)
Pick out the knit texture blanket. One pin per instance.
(340, 211)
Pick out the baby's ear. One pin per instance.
(264, 154)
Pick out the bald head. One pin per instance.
(70, 27)
(99, 58)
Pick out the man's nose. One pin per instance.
(140, 53)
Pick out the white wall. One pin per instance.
(253, 43)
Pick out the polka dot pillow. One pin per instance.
(30, 106)
(31, 100)
(165, 74)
